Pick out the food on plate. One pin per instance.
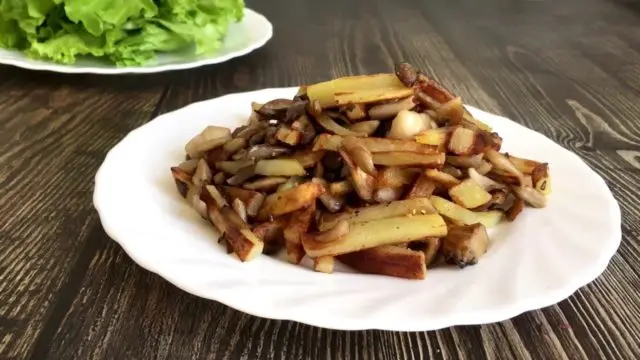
(126, 33)
(388, 174)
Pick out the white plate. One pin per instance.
(251, 33)
(538, 260)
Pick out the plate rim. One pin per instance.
(49, 66)
(477, 317)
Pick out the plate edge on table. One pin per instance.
(473, 318)
(70, 69)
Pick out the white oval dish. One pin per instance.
(249, 34)
(536, 261)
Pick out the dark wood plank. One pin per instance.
(55, 132)
(566, 70)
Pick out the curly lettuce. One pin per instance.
(126, 32)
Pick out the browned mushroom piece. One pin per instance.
(406, 73)
(464, 245)
(262, 151)
(182, 179)
(276, 109)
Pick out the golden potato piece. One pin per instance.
(358, 90)
(299, 224)
(290, 200)
(279, 167)
(365, 235)
(418, 206)
(464, 216)
(377, 145)
(469, 194)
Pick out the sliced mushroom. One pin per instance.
(297, 109)
(234, 145)
(330, 125)
(474, 161)
(266, 183)
(243, 175)
(252, 199)
(362, 182)
(203, 175)
(240, 155)
(193, 198)
(499, 161)
(366, 127)
(239, 207)
(341, 229)
(360, 154)
(453, 171)
(258, 137)
(485, 182)
(391, 109)
(189, 166)
(291, 183)
(247, 131)
(530, 195)
(427, 101)
(331, 202)
(276, 109)
(219, 178)
(233, 167)
(452, 111)
(211, 137)
(271, 136)
(259, 152)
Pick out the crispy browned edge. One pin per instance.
(298, 225)
(234, 230)
(423, 187)
(252, 199)
(388, 260)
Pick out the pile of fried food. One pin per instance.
(386, 173)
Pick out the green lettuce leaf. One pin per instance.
(126, 32)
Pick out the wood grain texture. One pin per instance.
(566, 69)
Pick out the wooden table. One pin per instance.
(568, 69)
